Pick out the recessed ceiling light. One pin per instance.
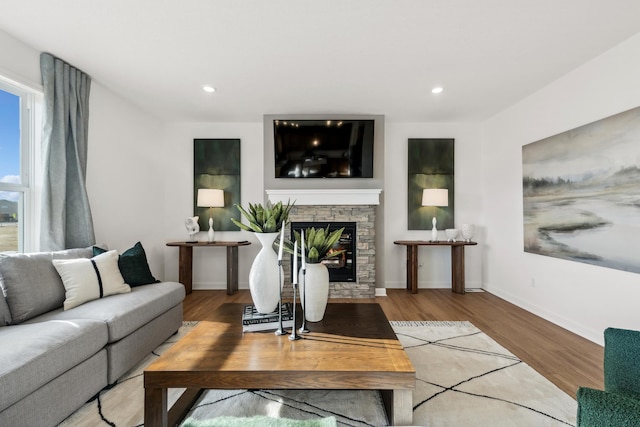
(209, 89)
(436, 90)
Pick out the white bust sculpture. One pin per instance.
(192, 227)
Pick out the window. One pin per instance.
(18, 106)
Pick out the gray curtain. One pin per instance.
(66, 215)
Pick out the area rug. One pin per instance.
(463, 378)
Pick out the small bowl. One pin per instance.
(451, 233)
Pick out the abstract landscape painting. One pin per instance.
(581, 193)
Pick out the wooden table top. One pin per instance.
(434, 243)
(354, 347)
(214, 243)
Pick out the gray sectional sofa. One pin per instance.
(52, 361)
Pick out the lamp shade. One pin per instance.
(435, 197)
(210, 198)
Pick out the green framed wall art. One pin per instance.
(430, 165)
(216, 164)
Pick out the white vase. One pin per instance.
(467, 232)
(265, 275)
(314, 291)
(451, 233)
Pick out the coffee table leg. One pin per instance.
(155, 407)
(399, 406)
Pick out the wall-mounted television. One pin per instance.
(323, 148)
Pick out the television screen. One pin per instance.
(323, 148)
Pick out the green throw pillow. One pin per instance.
(133, 265)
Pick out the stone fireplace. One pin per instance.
(342, 268)
(341, 206)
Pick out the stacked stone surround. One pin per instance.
(364, 217)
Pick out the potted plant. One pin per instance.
(265, 276)
(319, 244)
(267, 219)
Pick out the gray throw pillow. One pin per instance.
(5, 314)
(31, 283)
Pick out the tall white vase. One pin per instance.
(265, 275)
(314, 291)
(467, 232)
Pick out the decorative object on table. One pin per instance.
(294, 334)
(430, 164)
(192, 226)
(451, 233)
(216, 164)
(280, 330)
(303, 269)
(211, 198)
(254, 321)
(467, 232)
(265, 275)
(435, 197)
(319, 245)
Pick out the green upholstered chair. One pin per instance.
(619, 403)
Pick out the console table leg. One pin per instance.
(232, 270)
(412, 268)
(457, 269)
(185, 273)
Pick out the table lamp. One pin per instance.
(435, 197)
(210, 198)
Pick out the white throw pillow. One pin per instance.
(89, 279)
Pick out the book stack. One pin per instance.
(253, 321)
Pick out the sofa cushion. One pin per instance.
(133, 265)
(31, 284)
(5, 314)
(124, 313)
(41, 351)
(89, 279)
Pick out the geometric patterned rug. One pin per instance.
(463, 378)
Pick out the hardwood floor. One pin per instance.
(567, 360)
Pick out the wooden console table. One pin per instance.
(186, 262)
(457, 262)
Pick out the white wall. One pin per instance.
(125, 176)
(19, 62)
(209, 266)
(435, 269)
(580, 297)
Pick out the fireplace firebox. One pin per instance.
(343, 267)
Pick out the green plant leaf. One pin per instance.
(264, 219)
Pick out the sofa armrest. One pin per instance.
(597, 408)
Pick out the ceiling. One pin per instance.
(323, 56)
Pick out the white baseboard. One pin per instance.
(381, 292)
(591, 335)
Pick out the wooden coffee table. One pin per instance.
(354, 347)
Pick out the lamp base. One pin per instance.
(434, 230)
(210, 232)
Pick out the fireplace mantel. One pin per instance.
(356, 196)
